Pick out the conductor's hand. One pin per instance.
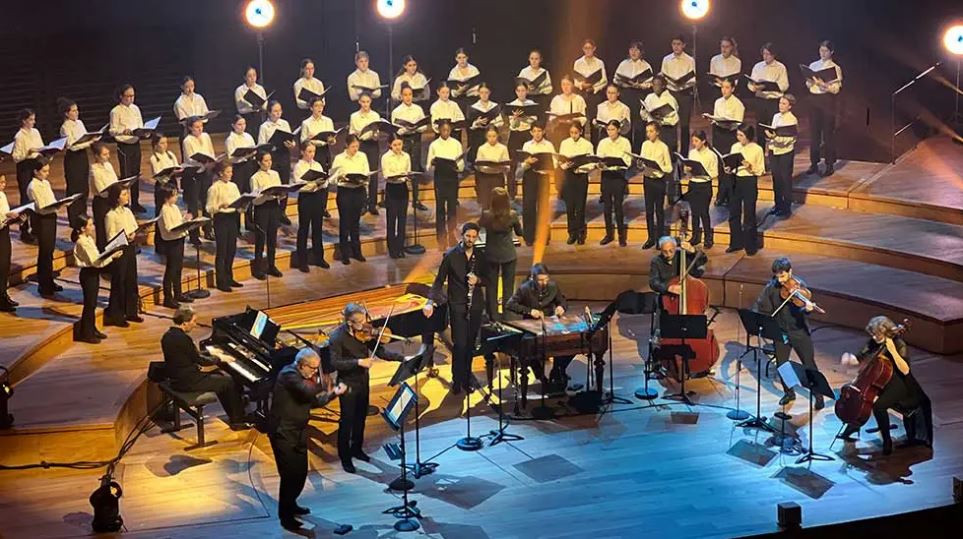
(340, 389)
(559, 311)
(365, 363)
(428, 309)
(675, 289)
(536, 314)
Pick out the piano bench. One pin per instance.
(192, 402)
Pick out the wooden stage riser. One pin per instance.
(918, 211)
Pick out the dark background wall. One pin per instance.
(84, 49)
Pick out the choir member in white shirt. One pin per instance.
(614, 182)
(222, 194)
(575, 188)
(122, 305)
(394, 163)
(195, 188)
(540, 93)
(742, 201)
(242, 170)
(86, 256)
(308, 82)
(726, 64)
(519, 128)
(350, 199)
(487, 179)
(363, 80)
(445, 109)
(675, 65)
(536, 183)
(41, 194)
(312, 200)
(463, 94)
(783, 151)
(267, 218)
(822, 113)
(413, 76)
(161, 158)
(173, 249)
(7, 305)
(370, 145)
(478, 123)
(730, 107)
(445, 158)
(654, 182)
(613, 109)
(125, 117)
(668, 124)
(566, 103)
(76, 162)
(312, 126)
(281, 154)
(699, 193)
(771, 70)
(102, 176)
(634, 91)
(411, 112)
(253, 115)
(590, 66)
(25, 143)
(188, 105)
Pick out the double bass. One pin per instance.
(856, 399)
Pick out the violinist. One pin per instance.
(665, 265)
(791, 318)
(354, 344)
(902, 392)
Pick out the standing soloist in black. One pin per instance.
(296, 390)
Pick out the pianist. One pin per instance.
(540, 297)
(184, 365)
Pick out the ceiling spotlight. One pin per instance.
(694, 9)
(390, 9)
(259, 13)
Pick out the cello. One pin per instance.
(856, 399)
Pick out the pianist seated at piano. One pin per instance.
(540, 297)
(189, 370)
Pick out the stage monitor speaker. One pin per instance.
(789, 515)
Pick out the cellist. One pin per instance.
(902, 391)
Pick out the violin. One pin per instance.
(794, 291)
(369, 333)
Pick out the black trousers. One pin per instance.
(782, 182)
(123, 287)
(904, 394)
(669, 134)
(5, 252)
(722, 140)
(699, 195)
(822, 121)
(685, 99)
(742, 213)
(765, 109)
(372, 151)
(267, 217)
(173, 268)
(221, 384)
(24, 176)
(100, 207)
(505, 270)
(592, 101)
(575, 192)
(195, 196)
(633, 96)
(800, 341)
(446, 204)
(484, 183)
(226, 230)
(354, 412)
(396, 215)
(654, 192)
(411, 144)
(47, 240)
(350, 206)
(242, 177)
(613, 200)
(535, 202)
(129, 157)
(254, 121)
(476, 137)
(516, 140)
(291, 457)
(281, 163)
(90, 285)
(76, 172)
(310, 215)
(464, 333)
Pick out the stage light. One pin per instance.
(694, 9)
(259, 13)
(390, 9)
(953, 39)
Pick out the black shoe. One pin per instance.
(285, 220)
(733, 249)
(225, 288)
(788, 397)
(708, 244)
(887, 447)
(290, 523)
(100, 335)
(196, 242)
(456, 389)
(419, 206)
(27, 237)
(722, 202)
(401, 254)
(813, 169)
(118, 323)
(829, 171)
(273, 271)
(360, 455)
(7, 307)
(345, 260)
(137, 319)
(373, 211)
(360, 258)
(649, 243)
(4, 298)
(208, 235)
(623, 238)
(348, 466)
(609, 238)
(89, 339)
(241, 425)
(303, 268)
(301, 511)
(570, 240)
(326, 214)
(183, 298)
(820, 402)
(58, 288)
(171, 304)
(235, 284)
(323, 264)
(751, 252)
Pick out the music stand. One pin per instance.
(682, 327)
(415, 248)
(395, 415)
(761, 326)
(411, 366)
(795, 374)
(632, 302)
(499, 344)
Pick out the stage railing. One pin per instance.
(897, 131)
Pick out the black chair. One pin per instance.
(191, 402)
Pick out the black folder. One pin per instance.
(697, 168)
(633, 82)
(730, 160)
(255, 100)
(681, 82)
(660, 112)
(545, 159)
(461, 87)
(474, 115)
(148, 130)
(717, 79)
(827, 75)
(764, 85)
(308, 95)
(281, 136)
(782, 131)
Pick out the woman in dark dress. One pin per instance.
(501, 224)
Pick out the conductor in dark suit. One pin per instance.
(183, 362)
(296, 390)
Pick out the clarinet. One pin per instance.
(471, 287)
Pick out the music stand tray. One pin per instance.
(682, 327)
(796, 374)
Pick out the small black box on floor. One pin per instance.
(789, 515)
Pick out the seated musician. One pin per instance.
(665, 265)
(351, 346)
(902, 392)
(184, 365)
(537, 298)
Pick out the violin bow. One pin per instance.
(382, 332)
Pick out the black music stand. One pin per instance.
(632, 302)
(682, 327)
(395, 415)
(415, 248)
(500, 344)
(411, 366)
(761, 326)
(795, 374)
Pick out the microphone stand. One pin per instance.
(200, 293)
(415, 248)
(267, 276)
